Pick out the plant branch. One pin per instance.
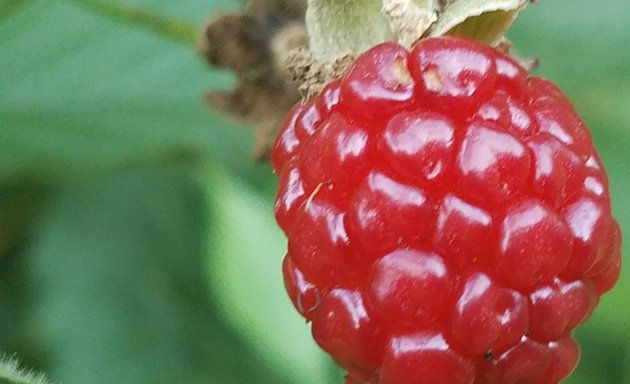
(10, 371)
(7, 7)
(144, 18)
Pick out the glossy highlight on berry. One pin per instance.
(448, 218)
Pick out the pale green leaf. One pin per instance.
(483, 20)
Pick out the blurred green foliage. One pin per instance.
(137, 238)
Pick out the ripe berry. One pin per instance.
(448, 218)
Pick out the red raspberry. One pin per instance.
(448, 218)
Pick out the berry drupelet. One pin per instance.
(448, 218)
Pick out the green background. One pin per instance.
(136, 235)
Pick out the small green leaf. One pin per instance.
(483, 20)
(245, 251)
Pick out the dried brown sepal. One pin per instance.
(254, 45)
(313, 75)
